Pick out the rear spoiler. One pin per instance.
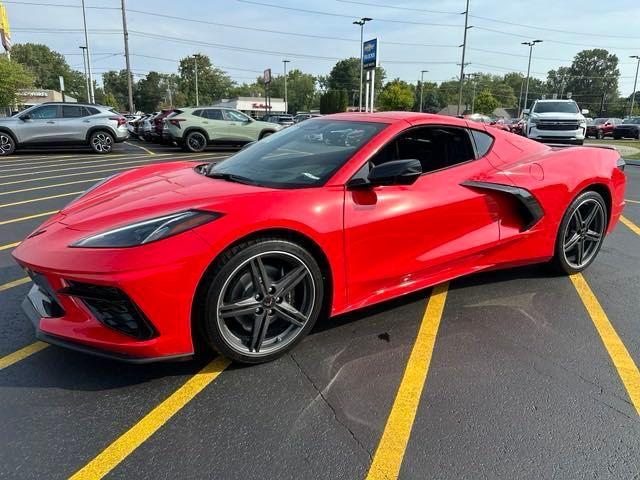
(568, 145)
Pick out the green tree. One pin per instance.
(13, 77)
(301, 89)
(110, 100)
(593, 75)
(149, 93)
(396, 95)
(334, 101)
(213, 83)
(345, 75)
(116, 84)
(486, 103)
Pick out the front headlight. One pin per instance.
(146, 231)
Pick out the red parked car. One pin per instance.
(158, 124)
(602, 127)
(324, 217)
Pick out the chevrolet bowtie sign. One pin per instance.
(370, 54)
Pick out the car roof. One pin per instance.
(564, 100)
(394, 117)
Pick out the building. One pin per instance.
(255, 107)
(34, 96)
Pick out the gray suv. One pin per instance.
(58, 124)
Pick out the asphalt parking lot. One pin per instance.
(531, 375)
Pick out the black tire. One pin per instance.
(568, 231)
(266, 134)
(616, 137)
(7, 144)
(195, 141)
(101, 142)
(243, 337)
(599, 134)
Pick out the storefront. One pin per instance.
(29, 98)
(256, 107)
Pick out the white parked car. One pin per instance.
(558, 121)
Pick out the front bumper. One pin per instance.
(576, 136)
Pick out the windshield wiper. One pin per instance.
(230, 177)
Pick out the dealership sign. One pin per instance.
(266, 76)
(370, 54)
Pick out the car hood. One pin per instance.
(149, 192)
(557, 116)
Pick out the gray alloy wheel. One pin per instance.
(7, 145)
(101, 142)
(196, 142)
(583, 233)
(599, 134)
(266, 303)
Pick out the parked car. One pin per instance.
(559, 121)
(146, 128)
(196, 127)
(58, 123)
(602, 127)
(301, 117)
(629, 128)
(284, 120)
(243, 256)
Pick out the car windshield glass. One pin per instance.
(634, 120)
(556, 107)
(304, 155)
(600, 121)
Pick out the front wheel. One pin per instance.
(101, 142)
(599, 134)
(581, 233)
(263, 298)
(7, 145)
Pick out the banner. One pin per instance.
(5, 31)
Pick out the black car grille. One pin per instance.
(47, 300)
(113, 308)
(557, 125)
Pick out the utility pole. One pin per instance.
(635, 84)
(464, 49)
(422, 72)
(286, 99)
(195, 58)
(92, 96)
(84, 61)
(520, 98)
(526, 92)
(475, 84)
(361, 22)
(126, 57)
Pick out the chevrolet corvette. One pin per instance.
(330, 215)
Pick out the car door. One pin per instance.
(216, 126)
(400, 236)
(75, 123)
(241, 127)
(41, 125)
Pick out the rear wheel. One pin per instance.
(7, 145)
(581, 233)
(101, 142)
(599, 134)
(265, 134)
(195, 142)
(263, 298)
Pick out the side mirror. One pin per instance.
(25, 117)
(397, 172)
(584, 111)
(526, 111)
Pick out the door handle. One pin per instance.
(205, 122)
(86, 121)
(232, 123)
(51, 122)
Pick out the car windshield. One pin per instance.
(633, 120)
(304, 155)
(600, 121)
(556, 107)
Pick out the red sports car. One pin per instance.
(327, 216)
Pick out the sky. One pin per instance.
(246, 36)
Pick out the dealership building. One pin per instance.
(29, 98)
(255, 107)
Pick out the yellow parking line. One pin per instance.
(140, 146)
(9, 246)
(82, 167)
(115, 453)
(59, 160)
(21, 354)
(631, 201)
(39, 199)
(390, 452)
(634, 228)
(70, 163)
(26, 158)
(30, 189)
(619, 354)
(28, 217)
(15, 283)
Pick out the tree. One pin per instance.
(13, 77)
(110, 100)
(486, 103)
(116, 84)
(334, 101)
(593, 78)
(149, 93)
(46, 66)
(396, 95)
(345, 75)
(301, 89)
(213, 83)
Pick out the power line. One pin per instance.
(406, 9)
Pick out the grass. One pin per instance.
(626, 143)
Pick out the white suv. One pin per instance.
(558, 121)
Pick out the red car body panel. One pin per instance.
(378, 243)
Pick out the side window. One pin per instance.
(73, 111)
(93, 111)
(213, 114)
(484, 141)
(197, 113)
(45, 112)
(434, 146)
(234, 116)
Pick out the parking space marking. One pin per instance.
(140, 146)
(28, 158)
(631, 201)
(14, 283)
(21, 354)
(390, 452)
(71, 163)
(9, 246)
(28, 217)
(64, 184)
(632, 226)
(115, 453)
(39, 199)
(627, 369)
(83, 167)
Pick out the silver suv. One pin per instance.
(51, 124)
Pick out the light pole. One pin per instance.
(422, 72)
(464, 49)
(195, 59)
(126, 58)
(92, 98)
(526, 90)
(286, 99)
(361, 22)
(635, 83)
(84, 61)
(473, 97)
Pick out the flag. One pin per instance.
(5, 31)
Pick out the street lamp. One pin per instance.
(195, 58)
(86, 78)
(464, 49)
(422, 72)
(286, 101)
(526, 91)
(92, 97)
(635, 83)
(361, 22)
